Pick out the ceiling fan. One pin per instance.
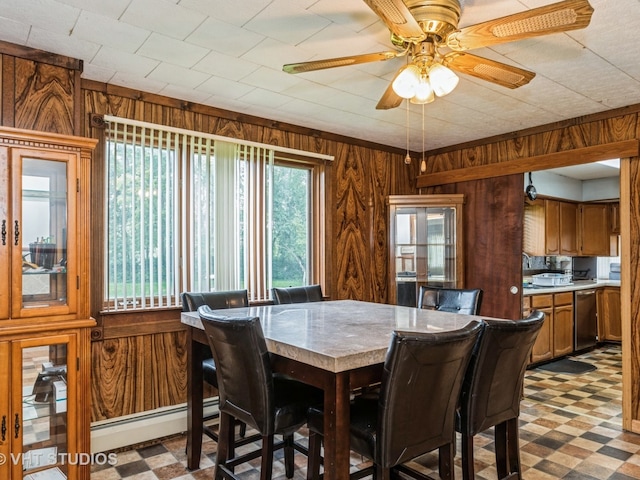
(426, 31)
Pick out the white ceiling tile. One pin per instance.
(271, 53)
(237, 12)
(96, 73)
(112, 8)
(62, 44)
(166, 49)
(122, 36)
(265, 98)
(273, 80)
(163, 16)
(178, 76)
(14, 31)
(226, 67)
(223, 87)
(285, 21)
(187, 94)
(109, 58)
(353, 14)
(138, 83)
(224, 37)
(45, 14)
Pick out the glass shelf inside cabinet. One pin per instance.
(44, 233)
(44, 411)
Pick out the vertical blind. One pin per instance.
(185, 212)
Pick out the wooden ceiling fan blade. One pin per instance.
(340, 62)
(489, 70)
(390, 99)
(396, 16)
(554, 18)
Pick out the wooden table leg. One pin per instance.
(336, 428)
(195, 355)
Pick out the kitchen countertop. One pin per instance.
(577, 285)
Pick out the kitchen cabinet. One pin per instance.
(44, 302)
(556, 336)
(594, 230)
(425, 244)
(609, 316)
(556, 227)
(550, 227)
(542, 349)
(562, 324)
(614, 218)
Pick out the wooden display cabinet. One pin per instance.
(425, 244)
(44, 303)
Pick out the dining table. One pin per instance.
(339, 346)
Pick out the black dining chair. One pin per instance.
(252, 393)
(492, 390)
(456, 300)
(308, 293)
(191, 301)
(415, 410)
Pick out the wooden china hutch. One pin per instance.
(44, 305)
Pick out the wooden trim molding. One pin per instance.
(578, 156)
(40, 56)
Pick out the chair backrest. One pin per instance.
(456, 300)
(216, 300)
(492, 388)
(309, 293)
(421, 383)
(245, 378)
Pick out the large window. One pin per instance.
(193, 212)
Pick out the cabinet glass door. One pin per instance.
(425, 250)
(41, 234)
(40, 423)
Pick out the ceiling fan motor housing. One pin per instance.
(436, 17)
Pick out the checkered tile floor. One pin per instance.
(570, 428)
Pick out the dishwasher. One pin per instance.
(586, 320)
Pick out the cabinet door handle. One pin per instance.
(4, 232)
(17, 426)
(17, 232)
(4, 428)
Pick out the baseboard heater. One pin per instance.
(112, 434)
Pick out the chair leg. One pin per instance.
(289, 452)
(467, 457)
(513, 447)
(501, 445)
(313, 458)
(243, 429)
(225, 439)
(266, 465)
(445, 464)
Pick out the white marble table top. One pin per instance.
(338, 335)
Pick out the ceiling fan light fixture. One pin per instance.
(406, 81)
(424, 92)
(442, 79)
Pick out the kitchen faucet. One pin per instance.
(528, 259)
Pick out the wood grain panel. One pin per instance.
(117, 377)
(44, 97)
(168, 369)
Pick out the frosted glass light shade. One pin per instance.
(406, 82)
(424, 92)
(442, 79)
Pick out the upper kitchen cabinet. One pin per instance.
(556, 227)
(595, 229)
(550, 227)
(426, 244)
(44, 225)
